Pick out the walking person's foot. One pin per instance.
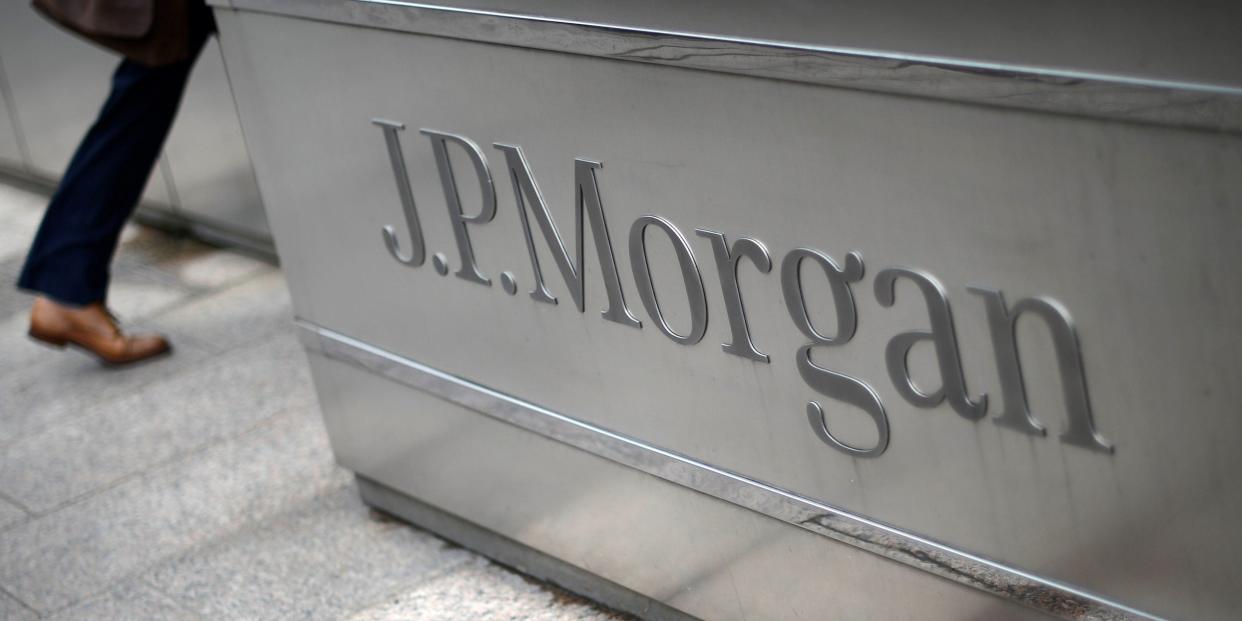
(92, 329)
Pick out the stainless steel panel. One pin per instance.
(207, 157)
(817, 517)
(698, 554)
(1130, 227)
(58, 84)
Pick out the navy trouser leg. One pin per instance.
(70, 258)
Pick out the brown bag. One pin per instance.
(151, 32)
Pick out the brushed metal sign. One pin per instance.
(1014, 411)
(1009, 284)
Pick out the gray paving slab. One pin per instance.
(134, 296)
(67, 384)
(132, 600)
(10, 514)
(13, 610)
(322, 560)
(211, 401)
(21, 202)
(183, 260)
(218, 268)
(14, 242)
(80, 550)
(233, 316)
(12, 301)
(143, 247)
(20, 212)
(481, 590)
(19, 350)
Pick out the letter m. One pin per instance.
(530, 203)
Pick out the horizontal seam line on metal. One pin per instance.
(368, 349)
(942, 61)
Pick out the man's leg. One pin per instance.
(70, 257)
(69, 261)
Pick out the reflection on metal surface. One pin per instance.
(943, 337)
(690, 278)
(452, 198)
(726, 268)
(1099, 95)
(893, 543)
(1003, 321)
(418, 253)
(586, 197)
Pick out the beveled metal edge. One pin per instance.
(1018, 586)
(1098, 95)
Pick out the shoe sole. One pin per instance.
(54, 343)
(60, 344)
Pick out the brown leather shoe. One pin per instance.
(92, 329)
